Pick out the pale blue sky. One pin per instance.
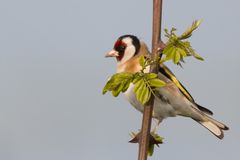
(52, 69)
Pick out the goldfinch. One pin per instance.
(172, 99)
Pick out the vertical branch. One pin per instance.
(145, 131)
(156, 26)
(148, 108)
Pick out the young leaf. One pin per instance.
(197, 56)
(142, 61)
(155, 139)
(109, 86)
(170, 49)
(156, 83)
(138, 90)
(188, 32)
(143, 94)
(158, 139)
(177, 57)
(136, 78)
(123, 75)
(138, 85)
(119, 82)
(166, 33)
(117, 90)
(150, 149)
(126, 85)
(151, 75)
(182, 52)
(176, 48)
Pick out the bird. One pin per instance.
(173, 99)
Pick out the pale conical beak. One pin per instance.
(112, 53)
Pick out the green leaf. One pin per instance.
(157, 138)
(173, 30)
(108, 87)
(123, 75)
(154, 139)
(151, 75)
(138, 85)
(188, 32)
(177, 49)
(138, 89)
(177, 57)
(150, 150)
(182, 52)
(165, 30)
(169, 51)
(136, 78)
(119, 82)
(145, 96)
(126, 86)
(142, 92)
(142, 61)
(104, 91)
(117, 90)
(197, 56)
(156, 83)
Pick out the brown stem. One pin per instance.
(156, 28)
(148, 108)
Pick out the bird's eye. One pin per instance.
(120, 46)
(121, 49)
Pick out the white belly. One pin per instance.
(162, 109)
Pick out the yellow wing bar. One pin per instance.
(164, 70)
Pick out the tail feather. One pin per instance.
(214, 127)
(203, 109)
(219, 124)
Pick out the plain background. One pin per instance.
(52, 71)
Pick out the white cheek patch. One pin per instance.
(129, 51)
(127, 40)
